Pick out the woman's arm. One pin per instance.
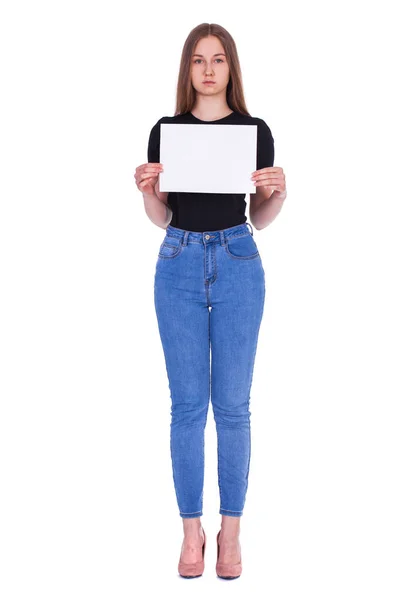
(157, 210)
(265, 207)
(270, 194)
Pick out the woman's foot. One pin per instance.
(229, 560)
(229, 548)
(192, 545)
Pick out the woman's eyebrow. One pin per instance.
(219, 54)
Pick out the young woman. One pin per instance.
(209, 292)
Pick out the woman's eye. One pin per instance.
(220, 59)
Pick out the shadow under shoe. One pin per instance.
(227, 571)
(190, 570)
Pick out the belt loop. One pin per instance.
(222, 236)
(251, 228)
(185, 237)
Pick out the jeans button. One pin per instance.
(207, 237)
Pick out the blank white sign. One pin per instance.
(208, 158)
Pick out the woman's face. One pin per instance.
(209, 63)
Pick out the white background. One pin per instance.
(87, 504)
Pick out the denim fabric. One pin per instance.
(209, 291)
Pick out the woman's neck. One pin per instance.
(208, 113)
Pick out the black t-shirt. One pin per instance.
(212, 212)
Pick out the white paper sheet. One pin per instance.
(208, 158)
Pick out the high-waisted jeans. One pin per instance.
(209, 291)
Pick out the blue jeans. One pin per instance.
(209, 292)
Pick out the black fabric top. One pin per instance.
(212, 212)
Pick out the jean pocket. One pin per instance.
(170, 247)
(242, 247)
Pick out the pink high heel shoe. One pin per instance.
(228, 571)
(189, 570)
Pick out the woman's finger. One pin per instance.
(152, 168)
(268, 170)
(268, 180)
(147, 175)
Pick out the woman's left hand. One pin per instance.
(272, 178)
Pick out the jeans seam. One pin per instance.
(190, 513)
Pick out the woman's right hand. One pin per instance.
(146, 177)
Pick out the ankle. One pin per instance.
(192, 527)
(229, 534)
(230, 527)
(228, 540)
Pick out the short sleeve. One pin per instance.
(265, 146)
(153, 149)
